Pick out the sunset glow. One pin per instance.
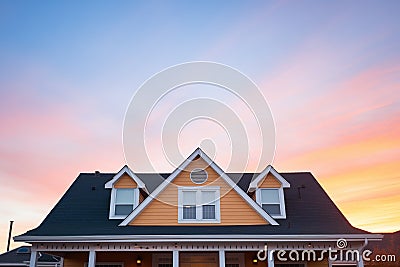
(330, 72)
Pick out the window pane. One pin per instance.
(189, 198)
(208, 211)
(272, 209)
(207, 197)
(123, 209)
(189, 212)
(125, 196)
(270, 195)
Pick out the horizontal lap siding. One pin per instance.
(270, 182)
(125, 181)
(164, 209)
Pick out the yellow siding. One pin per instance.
(270, 182)
(125, 181)
(141, 197)
(234, 210)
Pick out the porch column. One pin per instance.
(175, 258)
(33, 259)
(92, 258)
(360, 262)
(270, 259)
(222, 258)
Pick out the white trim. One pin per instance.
(256, 182)
(130, 173)
(360, 263)
(222, 238)
(113, 199)
(175, 258)
(92, 259)
(33, 258)
(163, 185)
(270, 259)
(199, 212)
(281, 201)
(221, 256)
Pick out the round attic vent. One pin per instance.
(198, 176)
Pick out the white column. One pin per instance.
(34, 258)
(222, 258)
(270, 259)
(360, 263)
(175, 258)
(92, 258)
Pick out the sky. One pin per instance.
(329, 70)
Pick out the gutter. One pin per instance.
(198, 238)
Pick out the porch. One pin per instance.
(183, 253)
(177, 258)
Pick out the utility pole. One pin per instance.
(9, 235)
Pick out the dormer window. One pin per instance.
(123, 202)
(126, 189)
(272, 201)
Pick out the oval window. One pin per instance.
(198, 176)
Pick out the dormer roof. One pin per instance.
(126, 170)
(260, 178)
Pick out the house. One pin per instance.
(21, 256)
(196, 216)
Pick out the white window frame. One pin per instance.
(232, 257)
(281, 201)
(113, 199)
(157, 256)
(199, 209)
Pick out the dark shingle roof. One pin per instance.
(84, 210)
(23, 254)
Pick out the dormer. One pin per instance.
(127, 191)
(267, 191)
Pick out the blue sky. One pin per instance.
(329, 70)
